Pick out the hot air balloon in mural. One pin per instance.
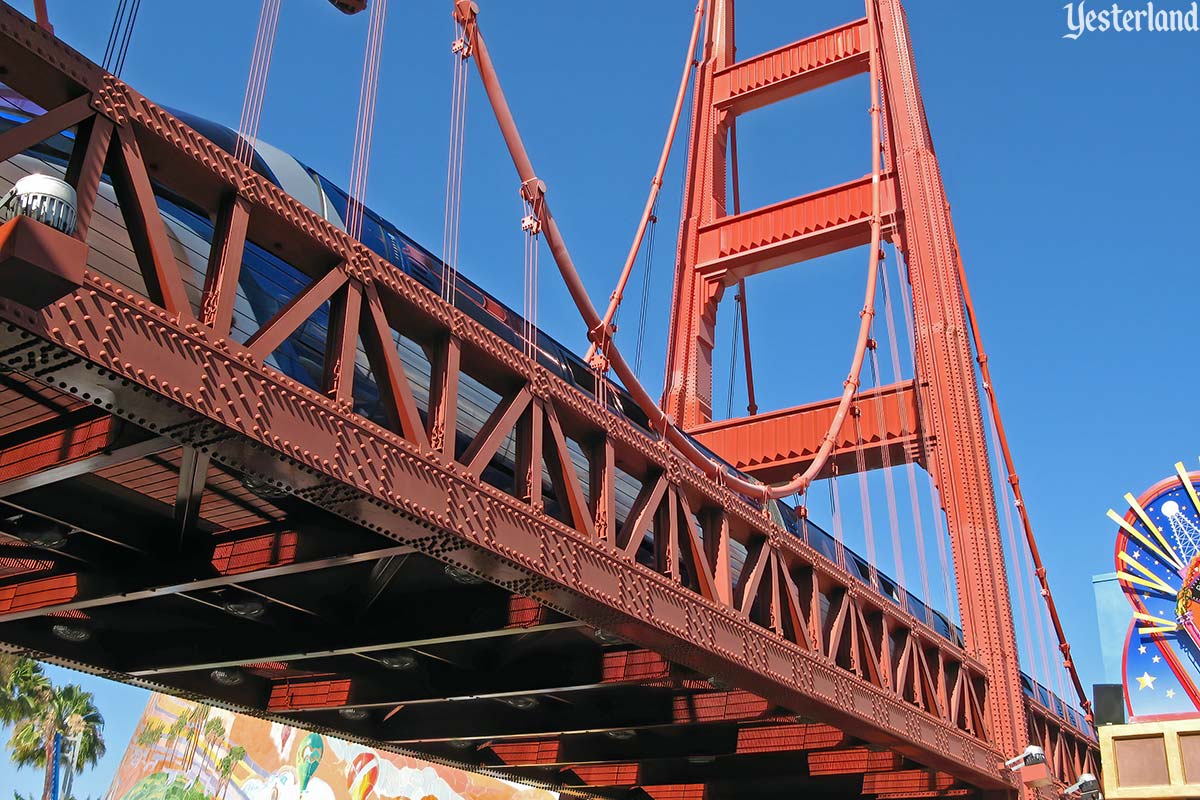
(308, 757)
(363, 773)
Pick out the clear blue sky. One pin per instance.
(1066, 163)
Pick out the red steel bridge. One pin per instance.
(506, 569)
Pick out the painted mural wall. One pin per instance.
(188, 751)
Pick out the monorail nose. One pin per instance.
(349, 6)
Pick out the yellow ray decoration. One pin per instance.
(1155, 581)
(1150, 526)
(1135, 533)
(1125, 576)
(1160, 625)
(1158, 629)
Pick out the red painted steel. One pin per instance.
(25, 244)
(852, 761)
(73, 443)
(255, 553)
(828, 221)
(950, 398)
(778, 738)
(799, 67)
(775, 445)
(38, 594)
(531, 753)
(607, 774)
(684, 791)
(309, 694)
(906, 781)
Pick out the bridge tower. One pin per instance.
(717, 248)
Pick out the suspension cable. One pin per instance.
(647, 273)
(114, 35)
(1018, 569)
(256, 81)
(460, 51)
(905, 431)
(864, 489)
(532, 198)
(733, 352)
(1015, 482)
(602, 333)
(364, 126)
(751, 403)
(888, 479)
(467, 13)
(934, 493)
(119, 35)
(133, 15)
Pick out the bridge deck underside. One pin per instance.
(318, 620)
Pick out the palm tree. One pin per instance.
(227, 765)
(214, 734)
(68, 711)
(196, 721)
(175, 732)
(149, 737)
(21, 684)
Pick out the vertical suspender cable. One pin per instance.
(864, 491)
(647, 274)
(460, 52)
(838, 532)
(364, 126)
(133, 14)
(733, 354)
(256, 81)
(905, 430)
(935, 501)
(742, 300)
(1019, 500)
(119, 35)
(603, 333)
(888, 478)
(1018, 569)
(866, 342)
(114, 35)
(532, 198)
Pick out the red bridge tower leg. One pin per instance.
(716, 249)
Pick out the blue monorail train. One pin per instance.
(267, 282)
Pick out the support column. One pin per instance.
(950, 408)
(687, 391)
